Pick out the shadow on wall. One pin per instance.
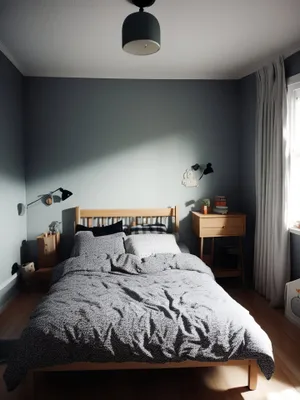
(87, 119)
(126, 144)
(186, 233)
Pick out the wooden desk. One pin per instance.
(216, 225)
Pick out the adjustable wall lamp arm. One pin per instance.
(40, 198)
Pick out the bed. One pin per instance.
(122, 312)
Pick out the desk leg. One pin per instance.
(201, 247)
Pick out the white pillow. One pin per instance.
(149, 244)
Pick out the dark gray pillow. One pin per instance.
(87, 243)
(148, 228)
(102, 230)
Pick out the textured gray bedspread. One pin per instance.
(163, 308)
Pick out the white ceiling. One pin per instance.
(201, 39)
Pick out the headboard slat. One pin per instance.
(128, 216)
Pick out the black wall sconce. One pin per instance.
(46, 199)
(205, 170)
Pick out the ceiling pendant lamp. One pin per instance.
(141, 31)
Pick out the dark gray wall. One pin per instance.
(292, 65)
(295, 256)
(12, 179)
(123, 143)
(247, 165)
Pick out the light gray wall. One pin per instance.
(12, 178)
(126, 144)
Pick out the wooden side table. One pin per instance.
(38, 281)
(216, 225)
(48, 250)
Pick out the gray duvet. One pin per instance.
(162, 308)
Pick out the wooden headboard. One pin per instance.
(92, 218)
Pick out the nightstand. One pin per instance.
(38, 281)
(48, 250)
(218, 226)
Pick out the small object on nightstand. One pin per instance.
(48, 250)
(54, 227)
(27, 270)
(205, 206)
(216, 225)
(220, 205)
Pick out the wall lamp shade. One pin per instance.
(204, 169)
(65, 194)
(141, 34)
(208, 169)
(46, 199)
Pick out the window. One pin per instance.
(294, 149)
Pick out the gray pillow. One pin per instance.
(87, 243)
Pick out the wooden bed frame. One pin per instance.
(135, 216)
(129, 217)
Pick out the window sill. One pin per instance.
(295, 231)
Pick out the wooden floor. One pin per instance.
(205, 383)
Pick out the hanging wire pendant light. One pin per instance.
(141, 31)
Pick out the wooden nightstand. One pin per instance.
(48, 250)
(216, 225)
(38, 281)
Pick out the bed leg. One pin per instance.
(29, 386)
(252, 374)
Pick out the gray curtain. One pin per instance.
(271, 256)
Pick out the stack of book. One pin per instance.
(220, 205)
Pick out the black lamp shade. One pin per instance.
(208, 169)
(65, 194)
(141, 34)
(196, 167)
